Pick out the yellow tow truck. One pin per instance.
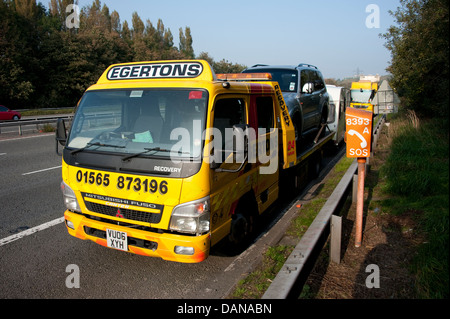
(362, 94)
(166, 158)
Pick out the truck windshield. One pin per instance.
(363, 96)
(140, 122)
(287, 79)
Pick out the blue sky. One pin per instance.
(331, 34)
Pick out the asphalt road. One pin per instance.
(43, 264)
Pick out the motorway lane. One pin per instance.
(32, 199)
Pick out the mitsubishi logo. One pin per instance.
(119, 213)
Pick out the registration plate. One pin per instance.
(117, 239)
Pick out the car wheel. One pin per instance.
(298, 132)
(15, 118)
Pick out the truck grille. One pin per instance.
(126, 213)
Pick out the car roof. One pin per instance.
(287, 67)
(262, 66)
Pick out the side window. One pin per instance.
(264, 107)
(303, 78)
(307, 77)
(318, 82)
(228, 112)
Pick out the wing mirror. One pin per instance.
(61, 134)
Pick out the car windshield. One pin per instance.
(140, 122)
(287, 79)
(361, 96)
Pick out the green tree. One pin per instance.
(19, 51)
(115, 22)
(125, 33)
(205, 56)
(186, 42)
(419, 46)
(45, 62)
(26, 8)
(224, 66)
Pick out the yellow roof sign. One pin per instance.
(198, 69)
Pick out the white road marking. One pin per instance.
(25, 137)
(2, 154)
(42, 170)
(31, 231)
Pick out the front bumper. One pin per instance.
(141, 242)
(364, 106)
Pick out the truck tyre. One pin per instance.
(243, 223)
(315, 165)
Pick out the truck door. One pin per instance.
(227, 185)
(266, 188)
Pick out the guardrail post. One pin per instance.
(336, 236)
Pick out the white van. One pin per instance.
(339, 101)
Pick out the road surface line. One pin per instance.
(42, 170)
(24, 137)
(31, 231)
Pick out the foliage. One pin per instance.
(417, 179)
(419, 46)
(46, 62)
(222, 66)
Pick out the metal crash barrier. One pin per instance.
(290, 279)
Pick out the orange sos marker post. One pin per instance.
(359, 139)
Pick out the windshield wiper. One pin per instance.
(94, 144)
(147, 150)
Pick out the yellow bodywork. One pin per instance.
(362, 94)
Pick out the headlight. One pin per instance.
(191, 217)
(70, 200)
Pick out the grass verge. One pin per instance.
(47, 111)
(417, 181)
